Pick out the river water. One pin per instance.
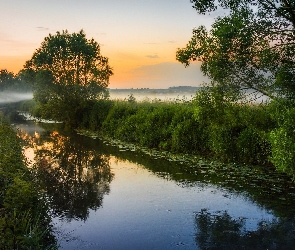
(103, 196)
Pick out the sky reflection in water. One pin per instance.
(131, 206)
(143, 211)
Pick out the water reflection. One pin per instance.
(75, 177)
(159, 213)
(221, 231)
(270, 189)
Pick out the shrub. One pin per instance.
(119, 111)
(253, 146)
(282, 138)
(213, 124)
(95, 113)
(156, 131)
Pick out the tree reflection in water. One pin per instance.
(74, 178)
(221, 231)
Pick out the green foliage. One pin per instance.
(187, 135)
(27, 106)
(95, 114)
(119, 112)
(283, 148)
(155, 130)
(6, 79)
(282, 138)
(250, 48)
(213, 125)
(235, 132)
(24, 219)
(217, 117)
(11, 82)
(253, 146)
(210, 125)
(72, 60)
(67, 71)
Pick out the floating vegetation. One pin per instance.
(264, 184)
(28, 117)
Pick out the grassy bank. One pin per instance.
(24, 220)
(212, 126)
(232, 133)
(209, 126)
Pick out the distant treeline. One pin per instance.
(211, 126)
(176, 89)
(13, 82)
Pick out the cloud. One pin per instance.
(171, 41)
(153, 56)
(41, 28)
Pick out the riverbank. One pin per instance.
(272, 191)
(185, 128)
(90, 192)
(211, 126)
(24, 218)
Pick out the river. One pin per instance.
(103, 196)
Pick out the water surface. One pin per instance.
(104, 197)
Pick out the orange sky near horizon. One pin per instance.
(140, 37)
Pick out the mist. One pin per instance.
(10, 96)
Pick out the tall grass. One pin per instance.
(212, 125)
(231, 133)
(24, 219)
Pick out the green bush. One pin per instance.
(282, 138)
(95, 113)
(211, 125)
(156, 131)
(218, 118)
(214, 124)
(283, 150)
(253, 146)
(28, 105)
(117, 114)
(187, 137)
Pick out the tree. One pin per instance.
(222, 231)
(253, 47)
(68, 70)
(6, 79)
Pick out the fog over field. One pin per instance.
(169, 94)
(151, 96)
(9, 96)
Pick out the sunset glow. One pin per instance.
(140, 38)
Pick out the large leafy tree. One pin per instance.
(68, 70)
(250, 47)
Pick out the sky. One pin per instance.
(140, 37)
